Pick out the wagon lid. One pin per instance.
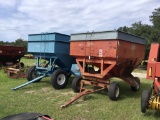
(108, 35)
(54, 36)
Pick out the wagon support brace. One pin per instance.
(84, 91)
(102, 63)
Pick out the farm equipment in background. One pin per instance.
(17, 71)
(150, 99)
(51, 51)
(11, 55)
(103, 55)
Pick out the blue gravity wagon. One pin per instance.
(51, 51)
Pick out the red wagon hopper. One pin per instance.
(103, 55)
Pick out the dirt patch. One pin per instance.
(68, 93)
(30, 92)
(46, 89)
(140, 75)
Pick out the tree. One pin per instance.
(150, 32)
(21, 42)
(155, 18)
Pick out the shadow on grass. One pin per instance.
(152, 113)
(125, 89)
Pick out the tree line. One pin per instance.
(150, 32)
(19, 42)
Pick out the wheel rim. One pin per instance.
(137, 86)
(117, 92)
(61, 79)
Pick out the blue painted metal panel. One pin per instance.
(49, 37)
(48, 43)
(62, 48)
(41, 47)
(75, 70)
(60, 37)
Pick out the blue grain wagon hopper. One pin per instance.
(51, 51)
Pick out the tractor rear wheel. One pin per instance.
(59, 79)
(76, 84)
(144, 100)
(113, 91)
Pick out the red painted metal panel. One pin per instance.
(130, 51)
(97, 48)
(153, 66)
(124, 55)
(157, 71)
(154, 52)
(151, 70)
(156, 85)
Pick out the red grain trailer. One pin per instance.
(103, 55)
(150, 99)
(10, 55)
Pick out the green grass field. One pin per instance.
(41, 97)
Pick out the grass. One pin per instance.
(41, 97)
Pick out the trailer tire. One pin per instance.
(76, 84)
(136, 88)
(113, 91)
(59, 79)
(21, 64)
(144, 100)
(31, 74)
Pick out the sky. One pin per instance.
(18, 18)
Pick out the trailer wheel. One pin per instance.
(144, 100)
(113, 91)
(21, 65)
(31, 74)
(137, 87)
(76, 84)
(59, 79)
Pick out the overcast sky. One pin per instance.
(18, 18)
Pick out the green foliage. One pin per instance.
(150, 32)
(155, 18)
(19, 42)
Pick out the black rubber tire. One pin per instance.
(31, 74)
(54, 79)
(113, 91)
(21, 65)
(151, 91)
(144, 100)
(76, 84)
(136, 88)
(69, 74)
